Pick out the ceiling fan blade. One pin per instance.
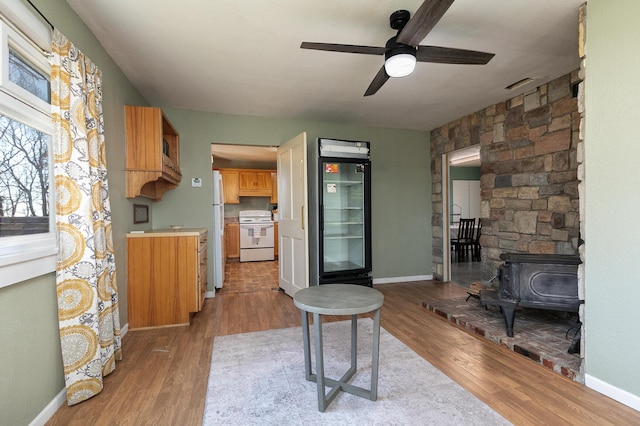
(423, 21)
(448, 55)
(348, 48)
(380, 79)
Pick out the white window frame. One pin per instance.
(26, 256)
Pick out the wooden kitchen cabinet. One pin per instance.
(232, 240)
(153, 153)
(249, 183)
(167, 276)
(256, 183)
(231, 184)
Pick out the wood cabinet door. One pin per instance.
(233, 240)
(201, 290)
(231, 183)
(255, 183)
(247, 180)
(263, 181)
(163, 273)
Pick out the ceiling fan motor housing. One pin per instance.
(399, 19)
(394, 48)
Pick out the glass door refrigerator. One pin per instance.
(339, 212)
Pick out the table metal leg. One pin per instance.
(375, 355)
(341, 384)
(317, 334)
(354, 343)
(307, 346)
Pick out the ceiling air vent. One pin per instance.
(519, 83)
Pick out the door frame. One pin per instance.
(446, 222)
(446, 213)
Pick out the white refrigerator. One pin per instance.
(218, 229)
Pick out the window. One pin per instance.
(27, 223)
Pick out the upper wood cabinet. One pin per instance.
(153, 153)
(255, 183)
(231, 186)
(249, 183)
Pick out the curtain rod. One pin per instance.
(40, 13)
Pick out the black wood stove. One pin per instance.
(540, 281)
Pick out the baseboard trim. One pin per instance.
(210, 294)
(620, 395)
(402, 279)
(51, 408)
(59, 400)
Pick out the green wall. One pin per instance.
(612, 152)
(464, 173)
(400, 176)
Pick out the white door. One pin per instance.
(293, 256)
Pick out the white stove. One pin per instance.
(256, 235)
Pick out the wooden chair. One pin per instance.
(475, 248)
(464, 242)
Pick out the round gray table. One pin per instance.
(339, 299)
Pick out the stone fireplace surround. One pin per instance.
(529, 184)
(531, 160)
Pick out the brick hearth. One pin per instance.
(539, 335)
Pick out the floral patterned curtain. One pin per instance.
(86, 271)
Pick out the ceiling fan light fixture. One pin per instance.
(400, 65)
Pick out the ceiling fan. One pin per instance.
(402, 51)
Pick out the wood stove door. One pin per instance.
(549, 286)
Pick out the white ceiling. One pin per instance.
(244, 153)
(244, 57)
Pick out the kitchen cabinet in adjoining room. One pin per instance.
(230, 180)
(232, 241)
(249, 183)
(255, 183)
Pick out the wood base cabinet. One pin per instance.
(233, 241)
(167, 276)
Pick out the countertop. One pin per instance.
(167, 233)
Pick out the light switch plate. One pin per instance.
(196, 182)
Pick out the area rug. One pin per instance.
(258, 379)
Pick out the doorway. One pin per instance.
(461, 200)
(242, 277)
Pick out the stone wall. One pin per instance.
(529, 186)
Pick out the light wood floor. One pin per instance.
(163, 377)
